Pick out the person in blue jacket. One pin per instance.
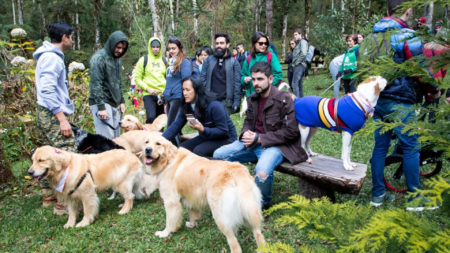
(180, 67)
(205, 114)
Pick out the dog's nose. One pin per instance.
(148, 150)
(30, 172)
(120, 123)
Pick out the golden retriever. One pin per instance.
(130, 122)
(77, 177)
(226, 187)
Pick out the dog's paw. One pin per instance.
(309, 160)
(69, 225)
(313, 153)
(348, 166)
(82, 223)
(191, 224)
(162, 234)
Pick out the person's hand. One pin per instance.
(339, 74)
(195, 124)
(122, 108)
(152, 92)
(248, 138)
(247, 79)
(103, 114)
(66, 129)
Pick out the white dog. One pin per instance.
(350, 112)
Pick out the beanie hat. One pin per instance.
(422, 20)
(155, 43)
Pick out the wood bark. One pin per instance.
(307, 17)
(332, 4)
(343, 23)
(19, 12)
(195, 9)
(77, 28)
(283, 36)
(257, 14)
(269, 18)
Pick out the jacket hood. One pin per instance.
(47, 47)
(150, 52)
(114, 38)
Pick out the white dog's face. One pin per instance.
(372, 87)
(130, 122)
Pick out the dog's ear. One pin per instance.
(377, 89)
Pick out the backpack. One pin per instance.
(268, 55)
(310, 54)
(146, 61)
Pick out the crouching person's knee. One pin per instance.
(261, 176)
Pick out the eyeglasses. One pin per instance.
(292, 43)
(263, 44)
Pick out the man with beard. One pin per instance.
(270, 133)
(221, 74)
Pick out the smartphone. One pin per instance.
(190, 118)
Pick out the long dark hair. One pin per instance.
(181, 54)
(202, 98)
(255, 38)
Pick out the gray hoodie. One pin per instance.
(51, 79)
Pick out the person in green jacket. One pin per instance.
(151, 78)
(349, 64)
(260, 52)
(105, 88)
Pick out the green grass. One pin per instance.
(25, 226)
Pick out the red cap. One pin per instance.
(422, 20)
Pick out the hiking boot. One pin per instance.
(385, 197)
(60, 209)
(421, 205)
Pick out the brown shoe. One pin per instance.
(60, 209)
(48, 200)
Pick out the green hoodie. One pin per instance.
(106, 80)
(155, 71)
(349, 62)
(276, 69)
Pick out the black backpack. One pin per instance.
(146, 61)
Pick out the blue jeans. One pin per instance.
(267, 159)
(384, 111)
(297, 80)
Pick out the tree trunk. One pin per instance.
(269, 18)
(257, 15)
(195, 9)
(77, 27)
(97, 8)
(446, 12)
(343, 23)
(156, 26)
(19, 12)
(283, 44)
(428, 13)
(307, 17)
(172, 22)
(44, 26)
(332, 4)
(14, 12)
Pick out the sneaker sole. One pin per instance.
(375, 204)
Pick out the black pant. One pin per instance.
(152, 109)
(204, 147)
(349, 85)
(173, 107)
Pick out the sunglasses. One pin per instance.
(263, 43)
(292, 43)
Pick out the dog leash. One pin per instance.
(336, 119)
(109, 125)
(339, 79)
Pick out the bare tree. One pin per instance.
(307, 17)
(446, 12)
(156, 26)
(195, 9)
(172, 22)
(343, 23)
(269, 18)
(14, 12)
(77, 27)
(257, 14)
(19, 12)
(332, 4)
(97, 8)
(428, 13)
(283, 43)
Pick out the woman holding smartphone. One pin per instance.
(206, 115)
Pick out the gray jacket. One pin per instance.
(233, 75)
(299, 53)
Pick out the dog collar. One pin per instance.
(62, 181)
